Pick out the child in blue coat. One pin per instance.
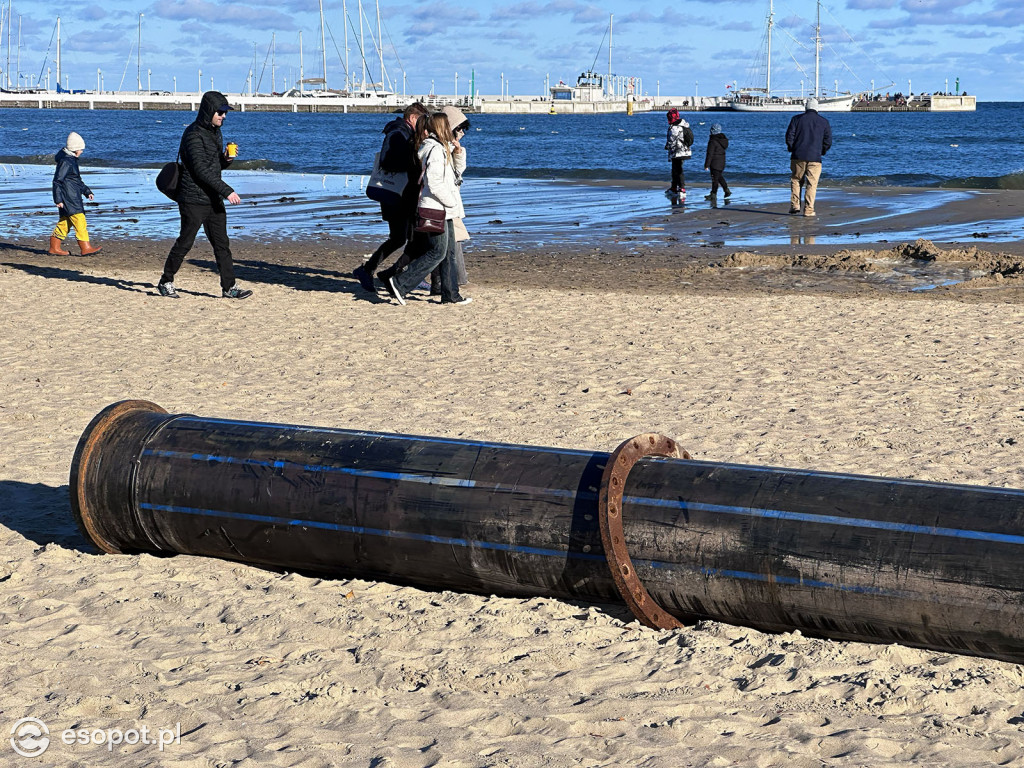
(68, 189)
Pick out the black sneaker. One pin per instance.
(167, 289)
(234, 292)
(392, 290)
(728, 193)
(794, 211)
(459, 300)
(365, 278)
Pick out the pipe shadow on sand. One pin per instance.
(42, 514)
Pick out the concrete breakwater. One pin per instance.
(369, 104)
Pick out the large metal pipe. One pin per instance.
(842, 556)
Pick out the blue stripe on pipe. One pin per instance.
(778, 514)
(403, 476)
(576, 452)
(364, 531)
(807, 517)
(516, 549)
(414, 438)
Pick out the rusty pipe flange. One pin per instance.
(609, 516)
(100, 482)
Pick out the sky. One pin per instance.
(440, 46)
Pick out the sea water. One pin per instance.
(982, 149)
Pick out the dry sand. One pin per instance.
(773, 358)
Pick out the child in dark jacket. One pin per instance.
(68, 189)
(714, 161)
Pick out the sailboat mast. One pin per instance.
(608, 85)
(323, 42)
(771, 23)
(2, 19)
(817, 49)
(273, 63)
(58, 54)
(344, 16)
(8, 70)
(362, 47)
(380, 46)
(302, 77)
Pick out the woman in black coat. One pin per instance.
(714, 161)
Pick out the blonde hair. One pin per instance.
(436, 125)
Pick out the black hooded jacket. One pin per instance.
(714, 159)
(202, 156)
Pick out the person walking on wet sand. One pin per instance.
(678, 143)
(201, 196)
(808, 138)
(714, 161)
(396, 156)
(68, 189)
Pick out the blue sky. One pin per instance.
(676, 48)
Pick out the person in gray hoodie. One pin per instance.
(201, 196)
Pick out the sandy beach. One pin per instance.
(877, 354)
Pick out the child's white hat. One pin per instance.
(75, 142)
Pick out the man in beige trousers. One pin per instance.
(808, 138)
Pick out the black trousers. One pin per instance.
(678, 182)
(399, 233)
(718, 180)
(214, 222)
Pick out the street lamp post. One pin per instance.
(200, 81)
(98, 80)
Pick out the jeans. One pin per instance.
(718, 180)
(214, 222)
(427, 251)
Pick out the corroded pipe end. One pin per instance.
(103, 469)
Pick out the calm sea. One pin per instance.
(983, 149)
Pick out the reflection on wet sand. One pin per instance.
(521, 214)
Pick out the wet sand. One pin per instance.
(816, 356)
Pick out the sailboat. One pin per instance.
(762, 99)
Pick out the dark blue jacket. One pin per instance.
(809, 136)
(202, 156)
(68, 187)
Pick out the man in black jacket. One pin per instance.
(808, 138)
(201, 196)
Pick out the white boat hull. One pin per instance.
(835, 104)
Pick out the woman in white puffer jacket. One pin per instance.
(443, 162)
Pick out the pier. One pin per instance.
(315, 102)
